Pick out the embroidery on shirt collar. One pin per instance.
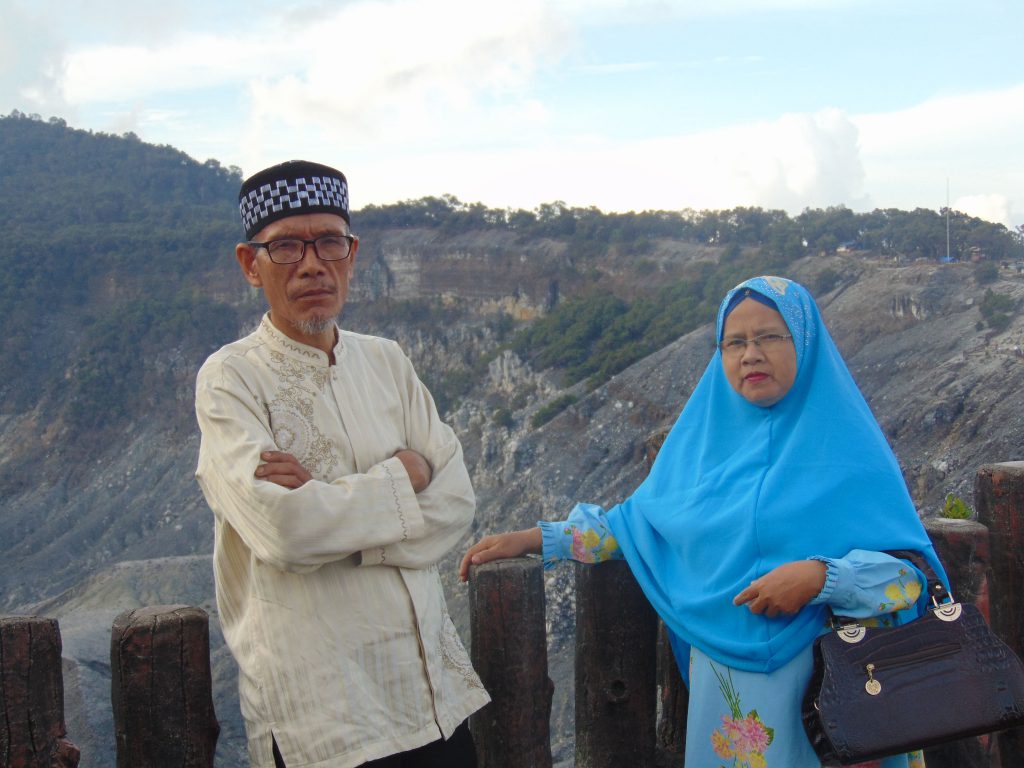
(292, 345)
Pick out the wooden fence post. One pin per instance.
(509, 652)
(673, 703)
(32, 729)
(616, 698)
(161, 688)
(963, 548)
(999, 502)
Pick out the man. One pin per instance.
(335, 489)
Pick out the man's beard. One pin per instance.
(313, 326)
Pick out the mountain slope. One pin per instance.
(118, 279)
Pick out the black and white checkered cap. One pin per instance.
(290, 189)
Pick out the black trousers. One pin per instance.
(455, 752)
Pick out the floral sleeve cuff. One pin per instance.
(585, 537)
(556, 539)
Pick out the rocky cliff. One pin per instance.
(119, 280)
(133, 529)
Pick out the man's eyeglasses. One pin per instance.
(289, 250)
(735, 347)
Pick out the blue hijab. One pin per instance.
(738, 489)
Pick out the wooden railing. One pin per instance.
(630, 702)
(161, 691)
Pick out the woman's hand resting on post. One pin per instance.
(785, 589)
(499, 546)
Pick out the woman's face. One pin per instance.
(764, 373)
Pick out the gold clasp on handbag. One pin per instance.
(872, 686)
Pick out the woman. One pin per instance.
(772, 498)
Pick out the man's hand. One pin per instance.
(282, 468)
(785, 589)
(502, 545)
(417, 467)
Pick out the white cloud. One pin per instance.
(803, 161)
(964, 120)
(30, 73)
(794, 162)
(56, 55)
(395, 70)
(106, 74)
(996, 208)
(969, 141)
(365, 73)
(451, 96)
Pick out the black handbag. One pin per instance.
(879, 691)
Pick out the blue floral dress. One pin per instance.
(740, 719)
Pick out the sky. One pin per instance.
(641, 105)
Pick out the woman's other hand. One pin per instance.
(499, 546)
(785, 589)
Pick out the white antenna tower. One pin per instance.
(947, 220)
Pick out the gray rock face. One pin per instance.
(132, 529)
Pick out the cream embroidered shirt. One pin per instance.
(329, 594)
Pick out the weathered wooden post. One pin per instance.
(963, 548)
(161, 688)
(616, 698)
(674, 699)
(673, 702)
(999, 501)
(509, 651)
(32, 729)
